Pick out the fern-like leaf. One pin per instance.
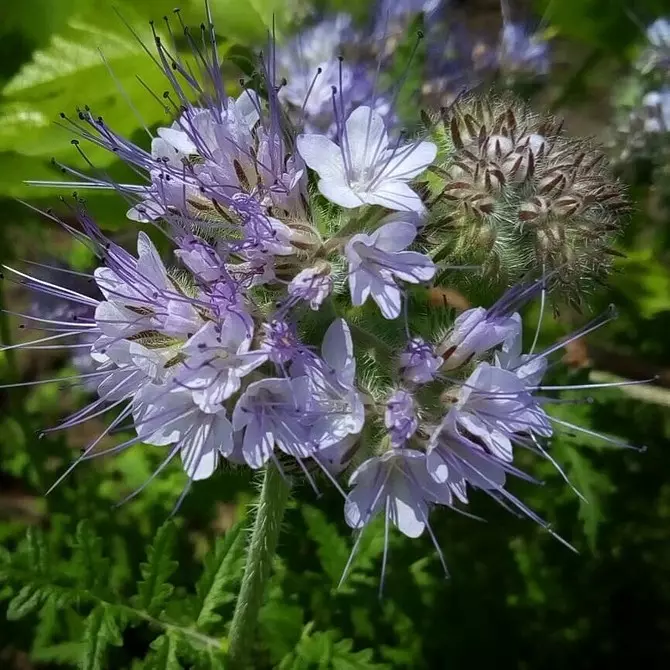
(163, 654)
(222, 569)
(101, 630)
(90, 564)
(154, 589)
(27, 600)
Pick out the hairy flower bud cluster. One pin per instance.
(520, 197)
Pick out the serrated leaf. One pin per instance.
(154, 589)
(592, 484)
(27, 600)
(332, 548)
(223, 567)
(65, 653)
(281, 625)
(36, 550)
(324, 650)
(163, 655)
(100, 631)
(92, 567)
(71, 72)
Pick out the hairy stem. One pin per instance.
(264, 536)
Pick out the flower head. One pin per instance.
(378, 259)
(366, 168)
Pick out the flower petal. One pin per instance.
(395, 195)
(408, 161)
(365, 138)
(341, 194)
(323, 156)
(395, 235)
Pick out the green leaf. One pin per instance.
(72, 72)
(332, 548)
(325, 651)
(163, 654)
(101, 630)
(91, 566)
(591, 483)
(281, 626)
(154, 590)
(223, 568)
(27, 600)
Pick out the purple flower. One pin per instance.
(521, 51)
(528, 368)
(271, 412)
(400, 417)
(455, 460)
(398, 485)
(335, 404)
(376, 260)
(418, 361)
(658, 33)
(168, 415)
(280, 341)
(311, 67)
(474, 332)
(494, 406)
(141, 296)
(313, 285)
(365, 168)
(218, 357)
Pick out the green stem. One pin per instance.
(264, 536)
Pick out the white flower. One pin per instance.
(365, 169)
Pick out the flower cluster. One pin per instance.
(286, 331)
(328, 53)
(640, 139)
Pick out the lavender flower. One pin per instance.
(377, 260)
(398, 485)
(218, 360)
(165, 416)
(271, 412)
(313, 285)
(418, 361)
(219, 357)
(400, 417)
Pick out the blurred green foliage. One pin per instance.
(98, 585)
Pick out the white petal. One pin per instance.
(408, 161)
(247, 106)
(257, 445)
(406, 509)
(395, 195)
(150, 265)
(388, 298)
(411, 266)
(341, 194)
(366, 138)
(337, 350)
(323, 156)
(360, 505)
(177, 139)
